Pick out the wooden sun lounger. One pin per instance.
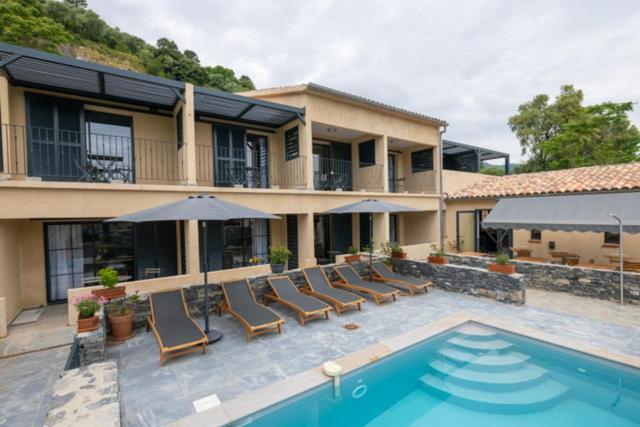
(319, 286)
(286, 293)
(175, 330)
(350, 279)
(410, 284)
(240, 302)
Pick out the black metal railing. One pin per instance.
(68, 155)
(332, 174)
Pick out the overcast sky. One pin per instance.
(470, 63)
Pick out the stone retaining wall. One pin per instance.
(194, 294)
(586, 282)
(469, 280)
(90, 346)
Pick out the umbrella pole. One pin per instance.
(213, 334)
(370, 246)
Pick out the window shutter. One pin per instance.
(367, 153)
(179, 134)
(291, 144)
(422, 160)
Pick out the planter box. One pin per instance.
(504, 269)
(352, 258)
(119, 291)
(88, 324)
(399, 255)
(277, 268)
(438, 259)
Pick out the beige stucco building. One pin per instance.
(83, 142)
(467, 205)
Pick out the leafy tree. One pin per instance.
(492, 170)
(24, 22)
(566, 134)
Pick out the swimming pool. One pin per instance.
(471, 375)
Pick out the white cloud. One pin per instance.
(468, 62)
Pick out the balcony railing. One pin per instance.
(332, 174)
(369, 178)
(66, 155)
(417, 182)
(237, 171)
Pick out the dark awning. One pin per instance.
(223, 105)
(576, 212)
(370, 206)
(37, 69)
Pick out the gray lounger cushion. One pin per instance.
(287, 291)
(353, 278)
(320, 285)
(171, 322)
(241, 301)
(386, 272)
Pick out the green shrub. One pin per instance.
(123, 306)
(279, 255)
(108, 277)
(87, 305)
(352, 250)
(503, 259)
(436, 251)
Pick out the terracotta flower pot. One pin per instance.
(111, 293)
(352, 258)
(88, 324)
(438, 260)
(399, 255)
(504, 269)
(121, 326)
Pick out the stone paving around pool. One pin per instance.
(152, 395)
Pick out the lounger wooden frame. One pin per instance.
(339, 306)
(167, 353)
(251, 331)
(303, 316)
(413, 288)
(378, 298)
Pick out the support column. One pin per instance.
(306, 247)
(382, 151)
(192, 247)
(305, 136)
(189, 135)
(380, 229)
(4, 121)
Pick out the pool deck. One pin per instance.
(154, 395)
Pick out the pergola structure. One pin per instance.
(468, 158)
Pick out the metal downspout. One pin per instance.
(441, 201)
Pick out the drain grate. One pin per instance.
(351, 326)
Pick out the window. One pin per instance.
(422, 160)
(109, 148)
(231, 244)
(179, 130)
(291, 144)
(367, 153)
(393, 228)
(611, 238)
(536, 235)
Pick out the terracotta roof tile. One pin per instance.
(593, 178)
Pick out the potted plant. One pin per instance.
(108, 278)
(88, 306)
(121, 316)
(396, 251)
(254, 260)
(502, 265)
(353, 255)
(278, 257)
(437, 256)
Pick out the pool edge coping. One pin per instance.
(256, 400)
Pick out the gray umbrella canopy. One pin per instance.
(371, 206)
(201, 207)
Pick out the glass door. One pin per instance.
(65, 260)
(257, 159)
(322, 238)
(393, 178)
(230, 150)
(321, 167)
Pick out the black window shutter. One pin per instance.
(291, 143)
(422, 160)
(367, 153)
(292, 240)
(179, 134)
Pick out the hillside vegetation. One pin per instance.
(69, 28)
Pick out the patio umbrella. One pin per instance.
(371, 206)
(202, 208)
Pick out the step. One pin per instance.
(526, 376)
(476, 332)
(485, 361)
(494, 344)
(537, 398)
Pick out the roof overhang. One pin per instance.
(228, 106)
(576, 212)
(453, 148)
(40, 70)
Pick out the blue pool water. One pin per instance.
(471, 376)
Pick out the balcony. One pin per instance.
(249, 170)
(417, 182)
(335, 174)
(75, 156)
